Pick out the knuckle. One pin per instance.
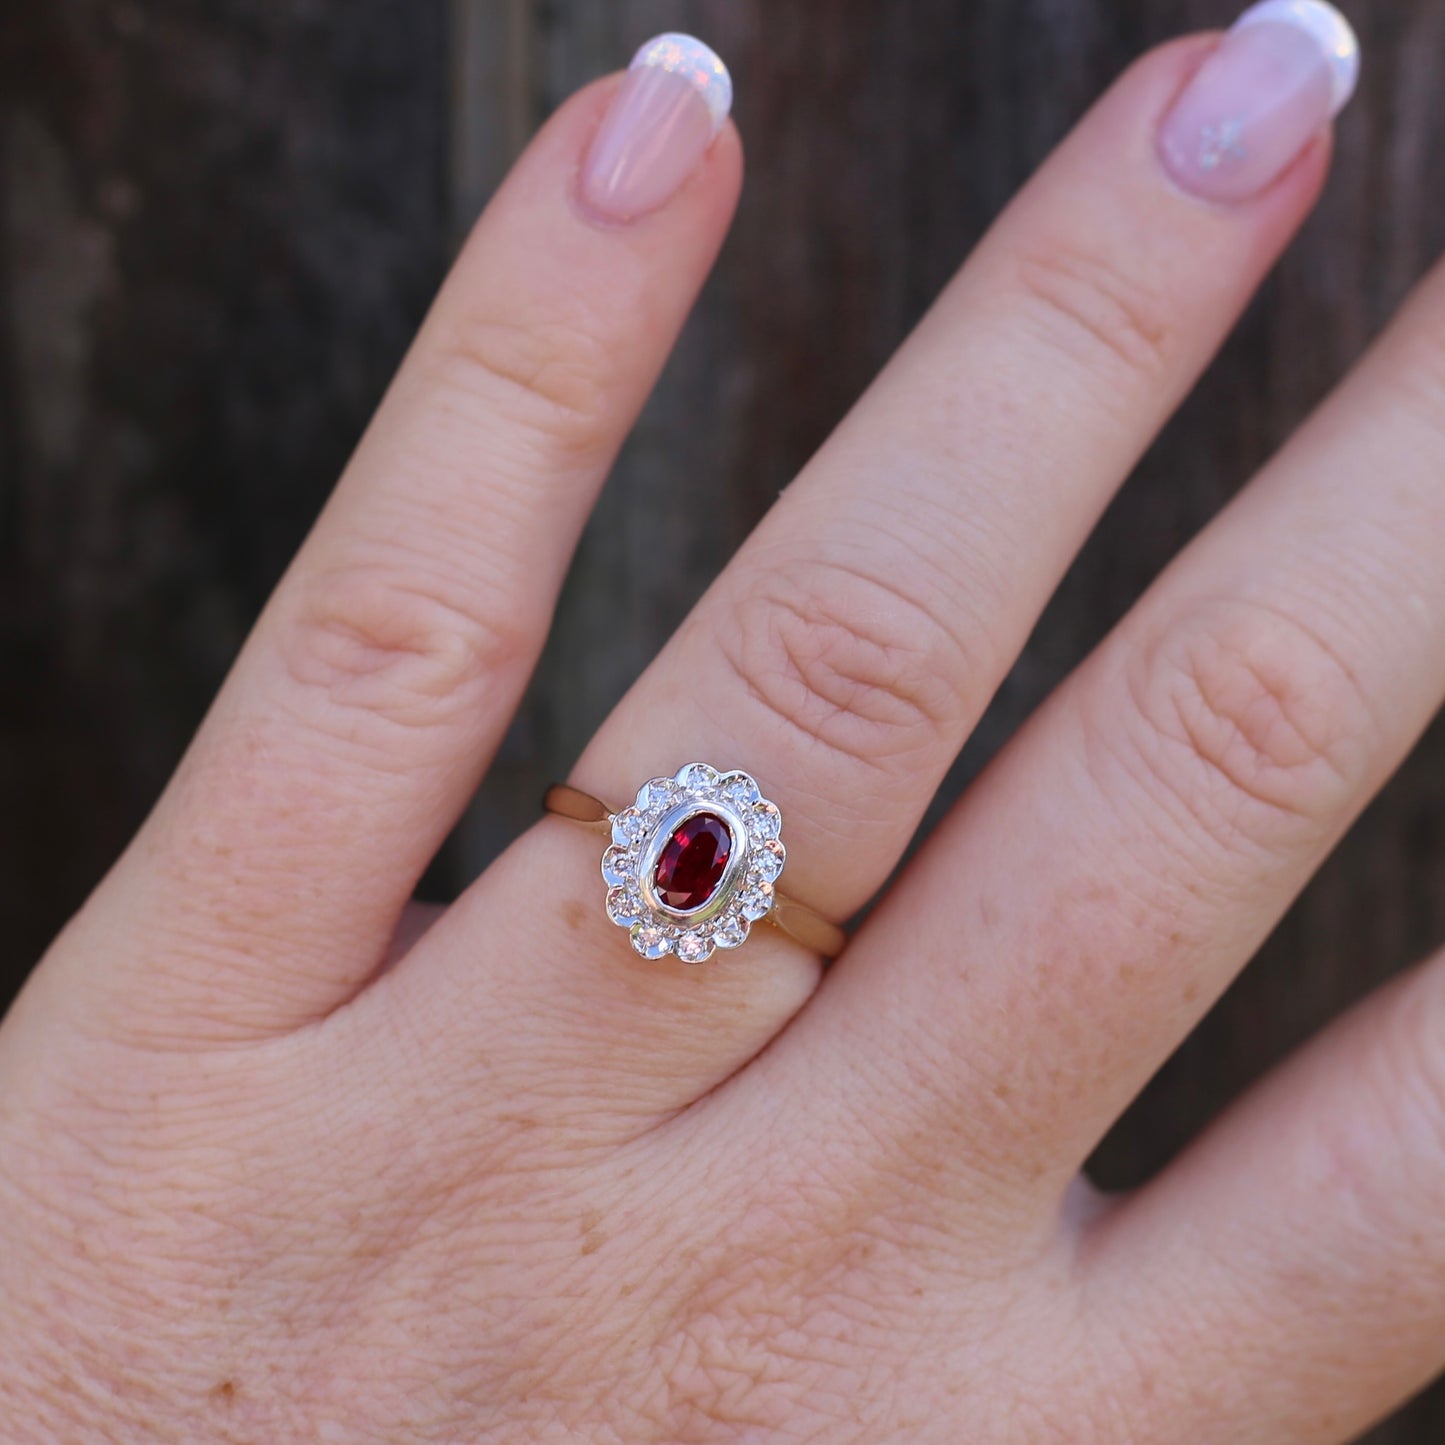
(1376, 1154)
(372, 640)
(712, 1377)
(1093, 311)
(851, 665)
(1142, 1369)
(1251, 720)
(551, 377)
(747, 1347)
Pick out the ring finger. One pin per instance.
(268, 882)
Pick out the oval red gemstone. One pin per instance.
(693, 862)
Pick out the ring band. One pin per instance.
(694, 863)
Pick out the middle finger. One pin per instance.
(852, 644)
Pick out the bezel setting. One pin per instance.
(742, 896)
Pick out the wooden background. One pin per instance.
(220, 220)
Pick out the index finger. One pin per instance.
(381, 676)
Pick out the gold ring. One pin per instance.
(694, 863)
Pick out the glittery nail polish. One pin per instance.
(1283, 70)
(667, 112)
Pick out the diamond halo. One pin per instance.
(649, 841)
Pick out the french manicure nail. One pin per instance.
(1283, 70)
(667, 112)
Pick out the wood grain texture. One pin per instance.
(222, 222)
(221, 225)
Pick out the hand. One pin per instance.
(285, 1159)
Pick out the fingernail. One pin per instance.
(666, 113)
(1279, 75)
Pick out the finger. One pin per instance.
(1285, 1278)
(386, 667)
(847, 651)
(1118, 864)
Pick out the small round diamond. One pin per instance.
(628, 827)
(624, 907)
(694, 948)
(732, 933)
(756, 902)
(697, 777)
(738, 790)
(765, 821)
(650, 941)
(619, 867)
(769, 860)
(656, 797)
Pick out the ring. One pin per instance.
(694, 864)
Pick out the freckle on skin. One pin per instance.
(574, 914)
(592, 1237)
(224, 1393)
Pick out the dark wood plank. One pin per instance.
(222, 225)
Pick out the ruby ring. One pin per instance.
(694, 863)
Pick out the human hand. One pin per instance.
(285, 1159)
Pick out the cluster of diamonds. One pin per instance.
(657, 932)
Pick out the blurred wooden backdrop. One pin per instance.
(220, 222)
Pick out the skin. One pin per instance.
(284, 1158)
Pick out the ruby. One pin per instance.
(693, 863)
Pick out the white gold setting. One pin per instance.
(743, 895)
